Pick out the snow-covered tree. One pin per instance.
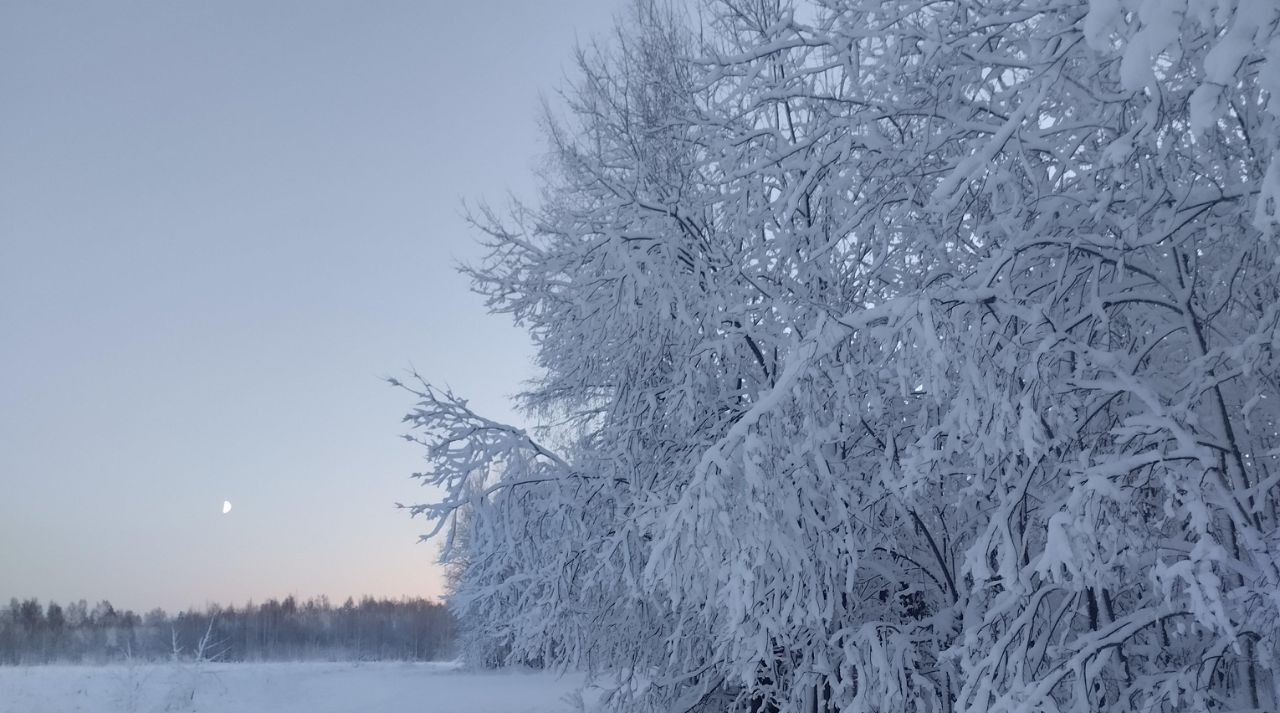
(898, 356)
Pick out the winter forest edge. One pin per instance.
(409, 629)
(893, 356)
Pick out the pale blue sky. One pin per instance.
(220, 224)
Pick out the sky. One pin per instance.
(221, 224)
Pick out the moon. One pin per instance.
(226, 506)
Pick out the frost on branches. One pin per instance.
(899, 356)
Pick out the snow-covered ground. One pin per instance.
(282, 688)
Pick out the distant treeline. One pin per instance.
(370, 629)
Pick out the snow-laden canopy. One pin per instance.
(897, 356)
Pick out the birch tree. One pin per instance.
(898, 356)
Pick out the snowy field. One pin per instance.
(282, 688)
